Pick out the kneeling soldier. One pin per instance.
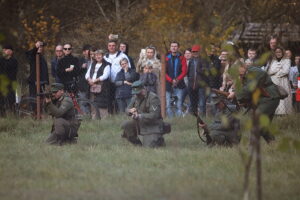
(222, 132)
(60, 106)
(146, 122)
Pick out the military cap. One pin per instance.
(56, 86)
(137, 86)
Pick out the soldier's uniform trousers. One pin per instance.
(62, 132)
(148, 140)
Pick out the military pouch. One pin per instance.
(166, 127)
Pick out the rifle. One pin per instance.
(207, 139)
(220, 92)
(226, 94)
(48, 95)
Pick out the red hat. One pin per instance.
(196, 47)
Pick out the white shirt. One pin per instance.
(104, 76)
(115, 64)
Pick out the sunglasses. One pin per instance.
(67, 48)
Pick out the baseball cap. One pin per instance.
(196, 47)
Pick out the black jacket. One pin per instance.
(54, 63)
(215, 72)
(198, 73)
(83, 85)
(44, 76)
(64, 63)
(9, 68)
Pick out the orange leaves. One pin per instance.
(186, 22)
(43, 28)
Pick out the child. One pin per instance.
(149, 78)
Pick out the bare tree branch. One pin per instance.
(101, 10)
(118, 10)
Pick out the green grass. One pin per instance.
(104, 166)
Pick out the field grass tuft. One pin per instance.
(104, 166)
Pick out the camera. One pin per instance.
(113, 37)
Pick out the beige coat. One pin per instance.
(279, 71)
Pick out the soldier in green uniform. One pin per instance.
(254, 78)
(222, 132)
(65, 126)
(146, 126)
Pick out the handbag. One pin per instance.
(282, 92)
(96, 88)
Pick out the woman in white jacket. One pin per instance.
(279, 71)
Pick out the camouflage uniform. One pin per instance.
(65, 126)
(224, 133)
(149, 125)
(268, 102)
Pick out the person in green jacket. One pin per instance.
(60, 107)
(254, 79)
(147, 123)
(224, 129)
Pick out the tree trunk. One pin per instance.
(163, 86)
(248, 169)
(256, 134)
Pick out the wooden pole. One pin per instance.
(38, 86)
(163, 86)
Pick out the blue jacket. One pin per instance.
(124, 90)
(175, 70)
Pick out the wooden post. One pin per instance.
(38, 86)
(163, 86)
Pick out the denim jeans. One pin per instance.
(178, 110)
(84, 107)
(198, 100)
(123, 103)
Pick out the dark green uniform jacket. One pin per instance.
(224, 133)
(62, 108)
(150, 120)
(257, 78)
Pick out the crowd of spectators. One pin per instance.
(105, 76)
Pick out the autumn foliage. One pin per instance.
(44, 28)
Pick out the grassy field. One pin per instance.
(104, 166)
